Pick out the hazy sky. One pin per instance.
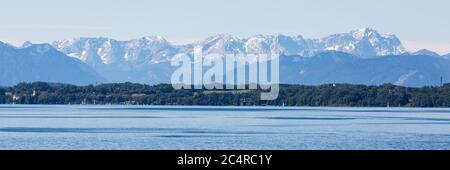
(418, 23)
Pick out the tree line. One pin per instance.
(290, 95)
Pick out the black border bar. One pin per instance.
(169, 158)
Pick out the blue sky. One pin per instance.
(418, 23)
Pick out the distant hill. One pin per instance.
(426, 52)
(447, 56)
(338, 67)
(41, 62)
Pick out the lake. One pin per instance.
(211, 127)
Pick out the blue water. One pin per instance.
(193, 127)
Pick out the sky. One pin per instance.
(418, 23)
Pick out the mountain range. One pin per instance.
(362, 56)
(338, 67)
(365, 43)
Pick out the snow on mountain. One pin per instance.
(107, 51)
(26, 44)
(365, 43)
(222, 44)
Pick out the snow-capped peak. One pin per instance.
(155, 38)
(26, 44)
(220, 38)
(3, 44)
(365, 32)
(222, 44)
(365, 42)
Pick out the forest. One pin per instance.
(339, 95)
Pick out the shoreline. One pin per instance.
(230, 106)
